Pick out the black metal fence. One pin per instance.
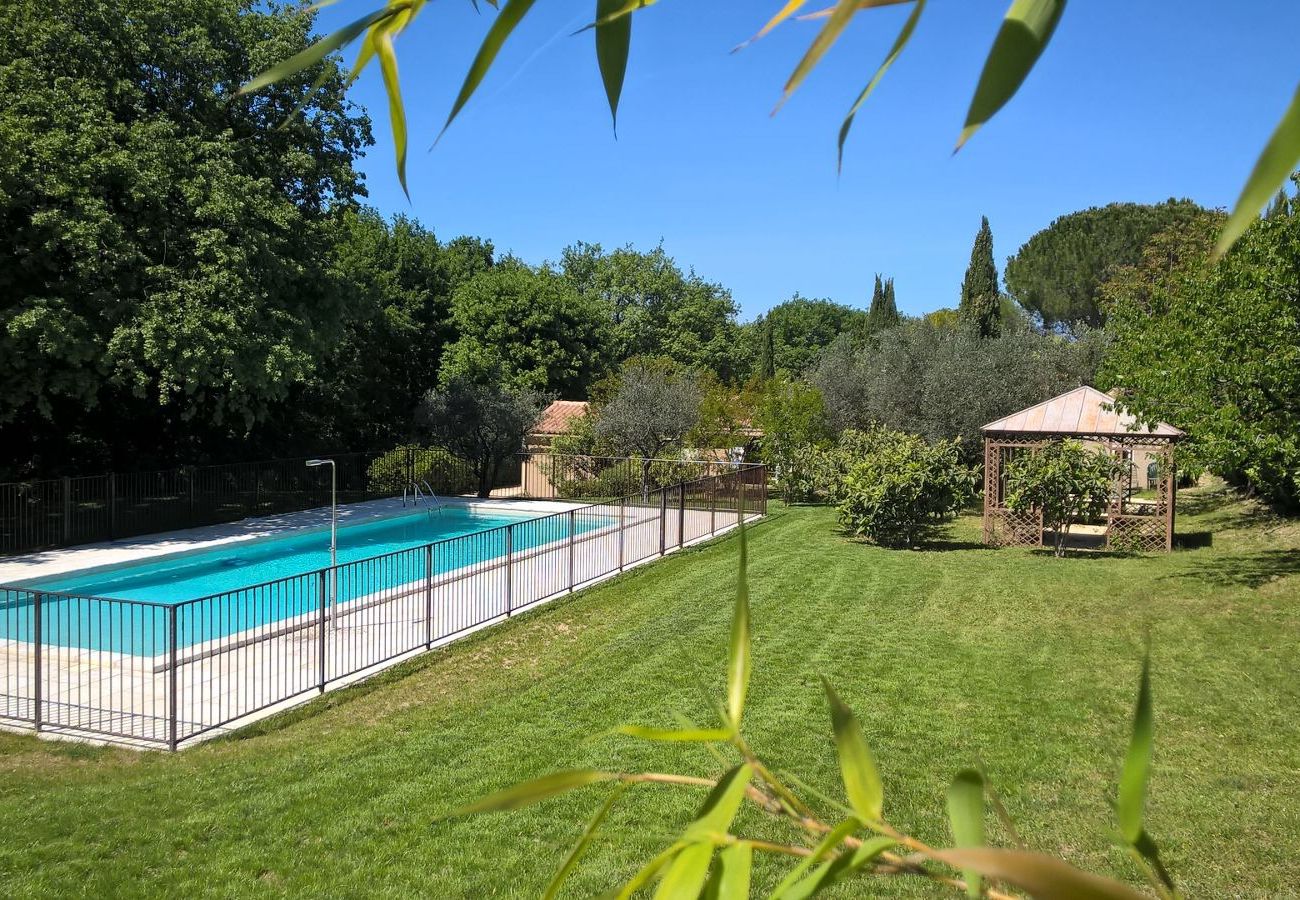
(162, 674)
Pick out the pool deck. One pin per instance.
(15, 569)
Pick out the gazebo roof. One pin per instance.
(1082, 412)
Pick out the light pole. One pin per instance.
(334, 525)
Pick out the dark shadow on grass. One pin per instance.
(1250, 570)
(1193, 540)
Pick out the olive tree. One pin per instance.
(651, 409)
(483, 423)
(1067, 480)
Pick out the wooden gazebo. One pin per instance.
(1086, 414)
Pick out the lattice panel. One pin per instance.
(1137, 534)
(1015, 529)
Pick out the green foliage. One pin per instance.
(394, 471)
(792, 417)
(1066, 480)
(482, 423)
(1058, 273)
(898, 486)
(943, 382)
(798, 330)
(147, 211)
(1215, 349)
(884, 308)
(702, 860)
(657, 309)
(530, 328)
(650, 411)
(980, 307)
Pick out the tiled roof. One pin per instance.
(557, 418)
(1084, 411)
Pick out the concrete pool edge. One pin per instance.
(91, 558)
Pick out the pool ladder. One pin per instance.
(417, 496)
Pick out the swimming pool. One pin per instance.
(236, 587)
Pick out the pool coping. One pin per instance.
(19, 571)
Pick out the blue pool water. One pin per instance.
(250, 584)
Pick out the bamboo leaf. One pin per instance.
(730, 877)
(858, 769)
(1280, 156)
(685, 878)
(739, 652)
(699, 735)
(828, 843)
(828, 35)
(966, 816)
(529, 792)
(791, 7)
(1043, 877)
(1151, 853)
(613, 41)
(383, 43)
(904, 35)
(320, 49)
(506, 21)
(1024, 35)
(1137, 764)
(721, 806)
(648, 871)
(618, 10)
(839, 868)
(583, 843)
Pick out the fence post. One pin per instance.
(663, 521)
(510, 564)
(681, 517)
(171, 678)
(257, 491)
(67, 508)
(189, 487)
(713, 505)
(573, 527)
(410, 464)
(112, 505)
(740, 498)
(428, 596)
(320, 596)
(37, 697)
(622, 524)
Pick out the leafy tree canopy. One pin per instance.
(1215, 349)
(167, 243)
(1058, 273)
(651, 408)
(530, 327)
(656, 308)
(800, 329)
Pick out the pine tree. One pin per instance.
(1281, 205)
(980, 297)
(883, 312)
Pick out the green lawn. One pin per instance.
(949, 655)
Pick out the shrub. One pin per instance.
(446, 473)
(898, 486)
(1066, 480)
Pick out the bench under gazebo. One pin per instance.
(1087, 415)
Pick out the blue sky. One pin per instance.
(1132, 101)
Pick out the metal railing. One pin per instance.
(162, 674)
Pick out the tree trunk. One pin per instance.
(645, 479)
(487, 474)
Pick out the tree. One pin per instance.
(529, 327)
(884, 309)
(792, 418)
(897, 486)
(657, 309)
(1058, 273)
(1066, 481)
(980, 298)
(801, 328)
(1215, 349)
(650, 410)
(943, 382)
(483, 423)
(767, 351)
(148, 212)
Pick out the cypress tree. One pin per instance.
(1281, 205)
(980, 297)
(883, 312)
(767, 352)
